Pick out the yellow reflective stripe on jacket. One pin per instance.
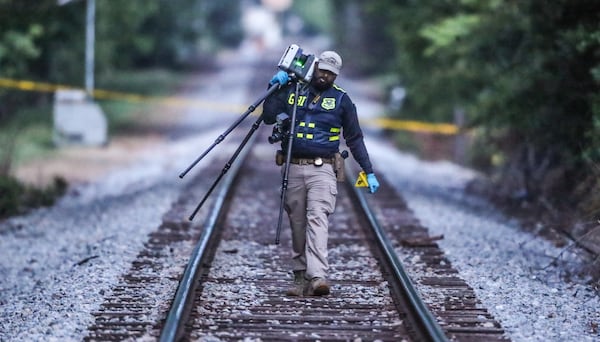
(312, 125)
(337, 131)
(307, 136)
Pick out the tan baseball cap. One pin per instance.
(331, 61)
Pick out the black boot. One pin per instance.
(299, 283)
(318, 287)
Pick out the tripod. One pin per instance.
(289, 139)
(288, 158)
(221, 137)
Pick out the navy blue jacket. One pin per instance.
(321, 117)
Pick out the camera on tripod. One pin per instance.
(281, 128)
(297, 64)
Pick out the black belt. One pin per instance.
(312, 161)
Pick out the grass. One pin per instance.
(28, 135)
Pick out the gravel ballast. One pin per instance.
(516, 275)
(57, 263)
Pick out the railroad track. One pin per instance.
(234, 282)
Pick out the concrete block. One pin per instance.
(78, 120)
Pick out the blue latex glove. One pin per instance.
(280, 77)
(373, 183)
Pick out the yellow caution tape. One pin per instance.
(30, 85)
(414, 126)
(386, 123)
(113, 95)
(361, 181)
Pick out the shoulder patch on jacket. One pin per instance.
(338, 88)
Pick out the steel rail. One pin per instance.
(425, 320)
(183, 301)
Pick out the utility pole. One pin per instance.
(89, 47)
(90, 38)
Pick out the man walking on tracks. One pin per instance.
(324, 111)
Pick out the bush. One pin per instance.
(16, 198)
(10, 196)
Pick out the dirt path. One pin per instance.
(79, 164)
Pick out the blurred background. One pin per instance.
(520, 79)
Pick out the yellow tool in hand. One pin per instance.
(361, 181)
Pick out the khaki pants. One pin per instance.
(310, 199)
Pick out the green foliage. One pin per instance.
(16, 198)
(163, 33)
(35, 197)
(43, 41)
(221, 22)
(40, 40)
(25, 136)
(16, 48)
(528, 69)
(18, 38)
(121, 40)
(155, 81)
(315, 13)
(445, 34)
(10, 196)
(526, 73)
(362, 37)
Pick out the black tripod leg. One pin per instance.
(288, 157)
(231, 128)
(255, 126)
(281, 204)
